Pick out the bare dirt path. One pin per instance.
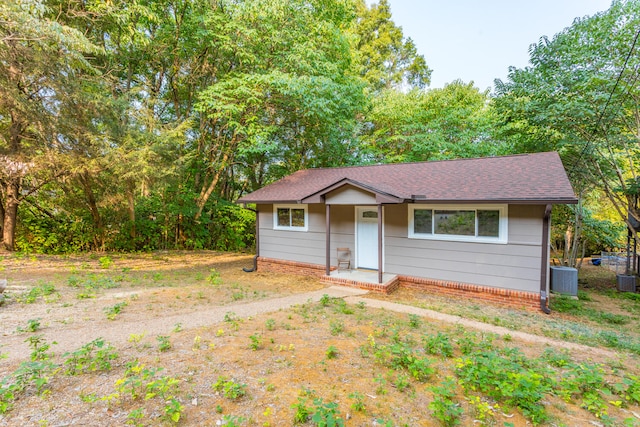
(74, 336)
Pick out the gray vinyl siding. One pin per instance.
(342, 231)
(309, 246)
(349, 195)
(515, 265)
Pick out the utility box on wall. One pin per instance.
(564, 280)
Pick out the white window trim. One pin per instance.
(291, 228)
(503, 231)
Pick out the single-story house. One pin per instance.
(467, 227)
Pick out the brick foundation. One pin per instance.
(504, 297)
(290, 267)
(383, 288)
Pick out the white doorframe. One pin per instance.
(358, 219)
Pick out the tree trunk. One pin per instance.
(206, 192)
(12, 201)
(1, 216)
(131, 206)
(85, 180)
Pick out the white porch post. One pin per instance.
(327, 231)
(380, 243)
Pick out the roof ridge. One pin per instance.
(460, 159)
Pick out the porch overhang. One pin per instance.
(381, 197)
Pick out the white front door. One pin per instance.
(367, 237)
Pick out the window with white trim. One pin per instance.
(471, 223)
(290, 217)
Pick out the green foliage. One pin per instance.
(214, 278)
(332, 352)
(325, 300)
(232, 420)
(443, 406)
(94, 356)
(270, 324)
(576, 98)
(387, 58)
(164, 343)
(438, 344)
(358, 404)
(336, 326)
(135, 379)
(256, 342)
(43, 289)
(402, 356)
(630, 389)
(577, 307)
(507, 378)
(230, 389)
(32, 326)
(438, 124)
(105, 262)
(113, 311)
(585, 381)
(326, 414)
(414, 321)
(39, 348)
(302, 413)
(558, 359)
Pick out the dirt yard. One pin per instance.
(165, 338)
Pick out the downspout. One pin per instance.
(255, 258)
(544, 302)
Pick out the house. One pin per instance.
(467, 227)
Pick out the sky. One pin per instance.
(478, 40)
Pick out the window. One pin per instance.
(464, 223)
(290, 217)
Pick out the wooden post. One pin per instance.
(380, 243)
(327, 230)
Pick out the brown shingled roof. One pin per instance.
(525, 178)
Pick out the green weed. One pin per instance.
(336, 326)
(164, 344)
(94, 356)
(270, 324)
(32, 326)
(358, 404)
(326, 414)
(443, 407)
(113, 311)
(438, 344)
(105, 262)
(214, 278)
(331, 352)
(229, 388)
(256, 342)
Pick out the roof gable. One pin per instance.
(526, 178)
(380, 196)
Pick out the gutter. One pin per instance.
(544, 300)
(255, 258)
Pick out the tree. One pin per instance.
(292, 97)
(42, 73)
(580, 97)
(452, 122)
(387, 59)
